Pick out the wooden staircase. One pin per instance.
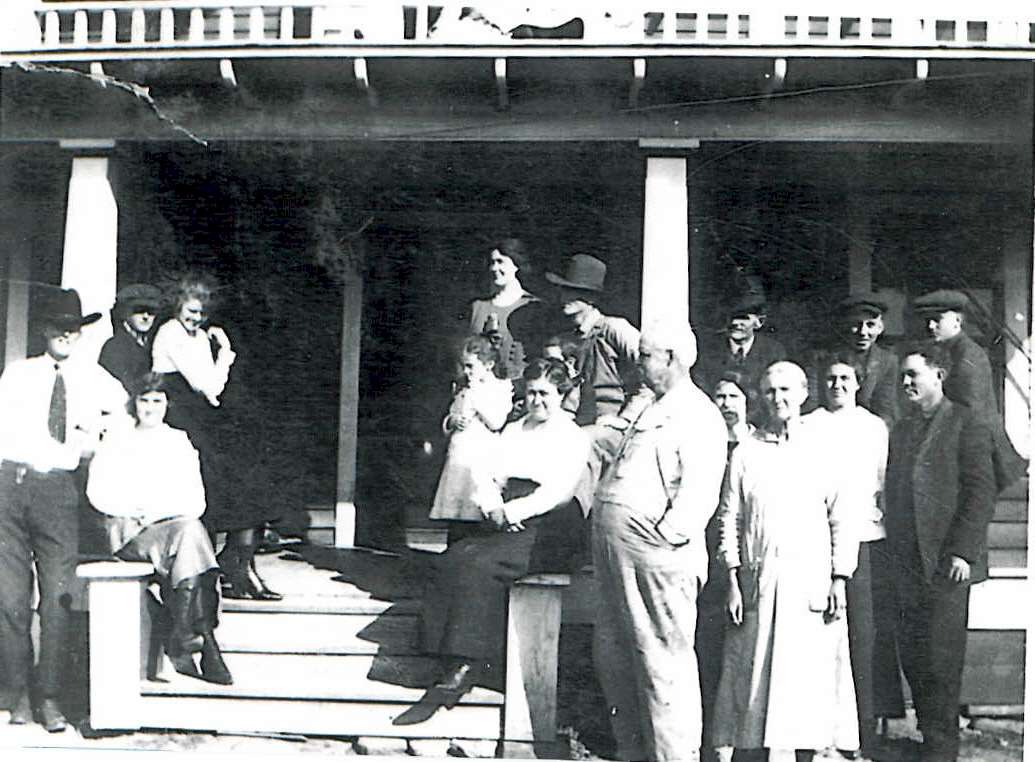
(330, 659)
(993, 675)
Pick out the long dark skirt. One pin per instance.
(465, 604)
(236, 492)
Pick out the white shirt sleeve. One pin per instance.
(174, 350)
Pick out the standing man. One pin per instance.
(843, 423)
(649, 517)
(860, 323)
(127, 354)
(968, 379)
(744, 348)
(940, 499)
(53, 411)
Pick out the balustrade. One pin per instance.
(112, 26)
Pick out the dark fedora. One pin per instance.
(61, 307)
(139, 295)
(752, 303)
(585, 273)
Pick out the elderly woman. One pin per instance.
(491, 316)
(196, 359)
(541, 456)
(787, 539)
(147, 482)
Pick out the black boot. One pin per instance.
(213, 668)
(184, 640)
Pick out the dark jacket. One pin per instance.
(124, 358)
(715, 358)
(970, 383)
(947, 498)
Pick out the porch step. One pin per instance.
(1008, 563)
(430, 539)
(318, 633)
(1011, 509)
(359, 718)
(351, 678)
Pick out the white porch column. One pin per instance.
(16, 338)
(1017, 307)
(665, 291)
(348, 410)
(91, 246)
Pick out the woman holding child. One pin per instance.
(539, 459)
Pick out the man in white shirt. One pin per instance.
(649, 517)
(53, 410)
(862, 436)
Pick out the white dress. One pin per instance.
(786, 522)
(467, 473)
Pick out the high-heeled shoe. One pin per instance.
(455, 684)
(259, 589)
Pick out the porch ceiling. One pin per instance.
(546, 99)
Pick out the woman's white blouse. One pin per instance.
(176, 351)
(552, 454)
(150, 474)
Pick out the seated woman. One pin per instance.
(463, 619)
(147, 482)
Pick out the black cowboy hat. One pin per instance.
(61, 307)
(585, 273)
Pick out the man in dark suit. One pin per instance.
(742, 347)
(860, 322)
(969, 380)
(940, 497)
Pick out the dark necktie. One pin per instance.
(56, 419)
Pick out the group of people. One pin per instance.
(771, 540)
(146, 435)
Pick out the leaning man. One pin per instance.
(52, 411)
(649, 517)
(940, 494)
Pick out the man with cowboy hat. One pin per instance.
(53, 410)
(610, 345)
(969, 375)
(127, 354)
(743, 347)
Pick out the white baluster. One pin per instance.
(80, 29)
(668, 25)
(318, 23)
(287, 23)
(197, 25)
(420, 30)
(108, 27)
(52, 29)
(256, 25)
(166, 26)
(137, 26)
(226, 24)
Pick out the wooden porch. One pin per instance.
(339, 655)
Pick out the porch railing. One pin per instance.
(106, 29)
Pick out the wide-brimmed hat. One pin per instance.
(943, 300)
(61, 307)
(585, 273)
(138, 295)
(862, 305)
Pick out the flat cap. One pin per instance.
(140, 295)
(943, 300)
(865, 304)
